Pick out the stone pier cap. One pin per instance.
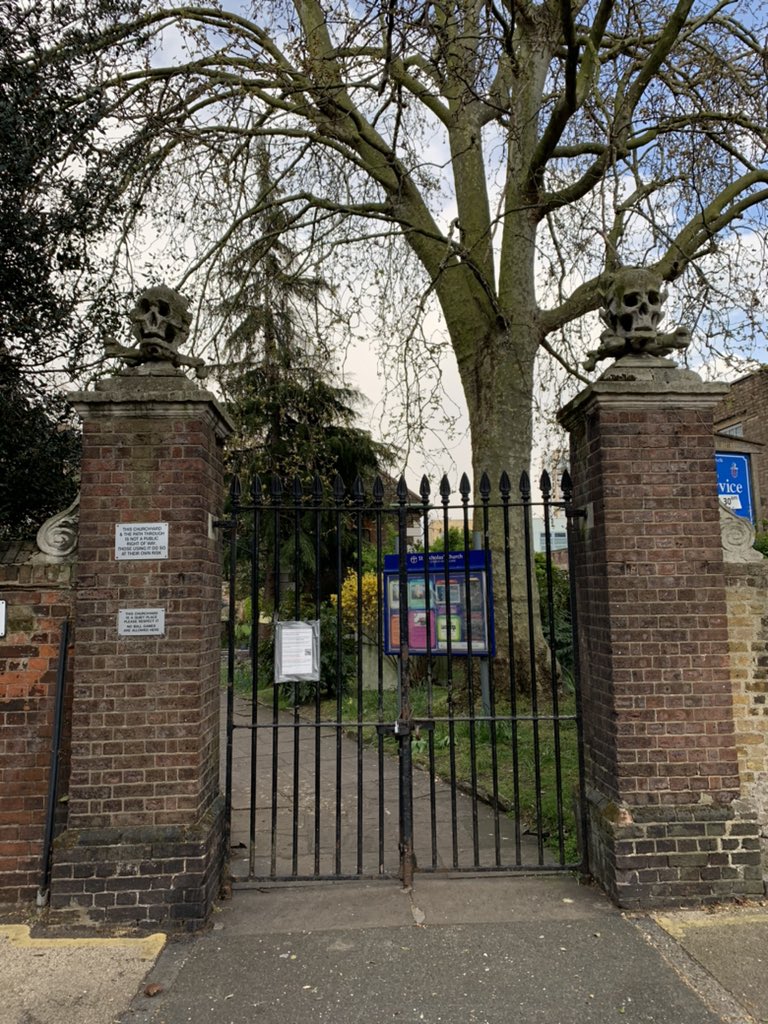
(636, 380)
(143, 390)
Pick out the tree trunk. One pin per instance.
(498, 391)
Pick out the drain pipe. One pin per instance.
(43, 893)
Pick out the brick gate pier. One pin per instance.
(143, 840)
(667, 824)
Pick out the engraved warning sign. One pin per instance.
(141, 621)
(141, 540)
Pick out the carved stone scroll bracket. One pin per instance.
(738, 536)
(57, 537)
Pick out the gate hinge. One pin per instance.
(223, 523)
(575, 513)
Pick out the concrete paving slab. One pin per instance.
(732, 945)
(70, 980)
(330, 906)
(466, 899)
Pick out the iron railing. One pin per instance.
(442, 734)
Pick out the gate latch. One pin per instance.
(403, 728)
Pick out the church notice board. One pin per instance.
(449, 603)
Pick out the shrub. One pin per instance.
(562, 633)
(368, 590)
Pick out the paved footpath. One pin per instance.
(457, 951)
(489, 949)
(453, 951)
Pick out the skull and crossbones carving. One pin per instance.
(160, 322)
(632, 314)
(161, 317)
(634, 304)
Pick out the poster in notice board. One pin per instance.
(449, 603)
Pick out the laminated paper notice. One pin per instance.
(297, 651)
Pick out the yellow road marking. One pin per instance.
(677, 925)
(148, 947)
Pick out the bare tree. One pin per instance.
(487, 135)
(519, 151)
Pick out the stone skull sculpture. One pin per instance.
(632, 314)
(161, 315)
(634, 306)
(160, 322)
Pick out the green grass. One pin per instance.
(515, 747)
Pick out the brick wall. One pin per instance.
(747, 403)
(39, 599)
(666, 821)
(747, 596)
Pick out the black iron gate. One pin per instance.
(442, 729)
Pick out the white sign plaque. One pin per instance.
(141, 540)
(141, 621)
(2, 618)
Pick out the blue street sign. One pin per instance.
(734, 483)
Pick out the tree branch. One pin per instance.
(576, 88)
(729, 205)
(626, 104)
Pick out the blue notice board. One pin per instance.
(734, 483)
(449, 606)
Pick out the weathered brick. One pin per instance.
(39, 599)
(661, 745)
